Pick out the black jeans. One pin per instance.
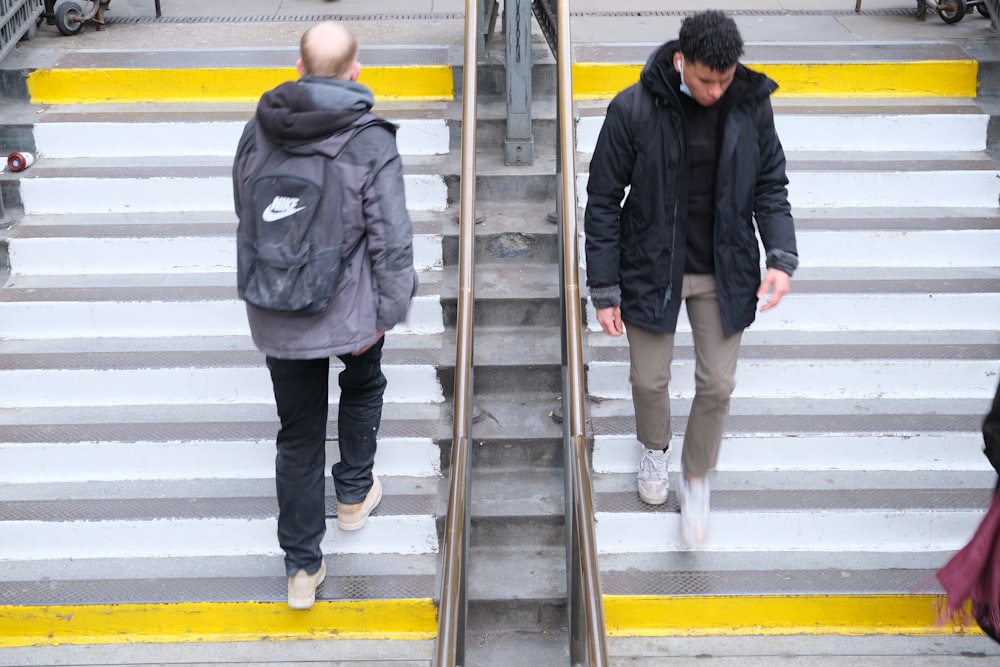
(301, 392)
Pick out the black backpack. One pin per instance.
(291, 229)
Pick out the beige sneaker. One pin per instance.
(302, 587)
(353, 517)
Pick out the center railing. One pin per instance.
(584, 604)
(449, 649)
(583, 589)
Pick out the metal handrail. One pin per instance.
(449, 649)
(586, 609)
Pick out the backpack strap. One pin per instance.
(642, 105)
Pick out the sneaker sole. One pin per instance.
(654, 500)
(359, 524)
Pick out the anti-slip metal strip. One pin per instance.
(188, 431)
(799, 500)
(167, 359)
(211, 589)
(856, 424)
(454, 16)
(858, 353)
(152, 509)
(829, 581)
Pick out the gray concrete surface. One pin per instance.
(258, 23)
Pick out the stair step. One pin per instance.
(168, 538)
(853, 125)
(822, 378)
(127, 132)
(151, 243)
(747, 456)
(758, 530)
(180, 461)
(810, 416)
(190, 184)
(150, 306)
(221, 588)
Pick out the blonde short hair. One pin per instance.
(328, 50)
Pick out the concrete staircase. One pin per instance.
(137, 423)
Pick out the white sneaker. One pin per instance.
(653, 481)
(694, 500)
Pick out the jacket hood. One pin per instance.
(311, 109)
(661, 78)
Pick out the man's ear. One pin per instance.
(300, 67)
(678, 61)
(355, 70)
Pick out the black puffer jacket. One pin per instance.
(639, 247)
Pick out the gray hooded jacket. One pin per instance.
(379, 281)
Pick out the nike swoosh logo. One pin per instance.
(272, 215)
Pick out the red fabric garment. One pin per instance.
(974, 573)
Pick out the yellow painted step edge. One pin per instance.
(930, 78)
(213, 85)
(401, 619)
(848, 615)
(591, 81)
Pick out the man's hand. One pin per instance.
(776, 285)
(358, 353)
(611, 320)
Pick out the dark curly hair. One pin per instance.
(711, 38)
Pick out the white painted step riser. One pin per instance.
(37, 540)
(798, 132)
(931, 249)
(167, 194)
(45, 463)
(47, 320)
(773, 532)
(619, 454)
(797, 312)
(186, 386)
(820, 379)
(866, 312)
(137, 139)
(76, 256)
(854, 132)
(838, 189)
(823, 189)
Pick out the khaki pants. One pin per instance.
(715, 379)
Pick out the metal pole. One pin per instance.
(519, 146)
(453, 611)
(588, 613)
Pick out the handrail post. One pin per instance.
(519, 145)
(453, 606)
